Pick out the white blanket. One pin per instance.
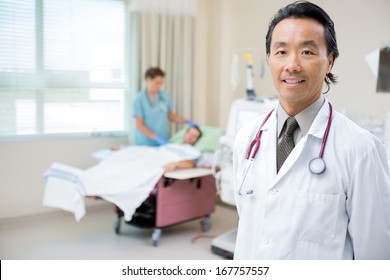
(126, 178)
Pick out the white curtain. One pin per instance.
(173, 7)
(162, 33)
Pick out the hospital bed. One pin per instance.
(241, 111)
(180, 196)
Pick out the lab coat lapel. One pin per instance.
(317, 130)
(268, 144)
(291, 159)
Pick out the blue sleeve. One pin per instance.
(137, 107)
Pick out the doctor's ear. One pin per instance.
(330, 63)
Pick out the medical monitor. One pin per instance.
(243, 111)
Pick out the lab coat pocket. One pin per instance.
(315, 216)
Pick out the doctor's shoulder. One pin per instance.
(248, 131)
(351, 135)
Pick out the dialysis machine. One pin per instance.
(241, 111)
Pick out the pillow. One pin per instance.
(209, 142)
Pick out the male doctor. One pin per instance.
(289, 206)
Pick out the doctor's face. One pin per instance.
(299, 62)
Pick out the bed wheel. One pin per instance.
(206, 223)
(156, 237)
(117, 225)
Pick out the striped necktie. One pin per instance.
(287, 144)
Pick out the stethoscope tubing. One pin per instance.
(257, 141)
(325, 138)
(255, 145)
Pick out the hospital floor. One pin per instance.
(58, 236)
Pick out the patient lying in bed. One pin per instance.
(192, 136)
(126, 178)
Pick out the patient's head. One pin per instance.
(192, 135)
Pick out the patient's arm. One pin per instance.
(179, 165)
(175, 118)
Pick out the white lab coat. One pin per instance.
(343, 213)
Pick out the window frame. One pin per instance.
(40, 88)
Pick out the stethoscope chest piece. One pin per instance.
(317, 166)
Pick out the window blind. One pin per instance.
(62, 66)
(17, 67)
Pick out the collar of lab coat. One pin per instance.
(320, 122)
(317, 130)
(271, 120)
(318, 126)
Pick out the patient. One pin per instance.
(145, 214)
(125, 178)
(191, 136)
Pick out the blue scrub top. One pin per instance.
(154, 115)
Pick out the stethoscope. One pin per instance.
(317, 165)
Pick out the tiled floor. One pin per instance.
(58, 236)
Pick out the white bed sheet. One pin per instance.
(125, 178)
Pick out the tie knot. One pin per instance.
(291, 124)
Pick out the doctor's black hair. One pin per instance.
(305, 9)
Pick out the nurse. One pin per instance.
(153, 110)
(290, 208)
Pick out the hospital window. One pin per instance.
(62, 68)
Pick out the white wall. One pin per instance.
(23, 163)
(234, 25)
(223, 28)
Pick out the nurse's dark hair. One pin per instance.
(154, 72)
(304, 9)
